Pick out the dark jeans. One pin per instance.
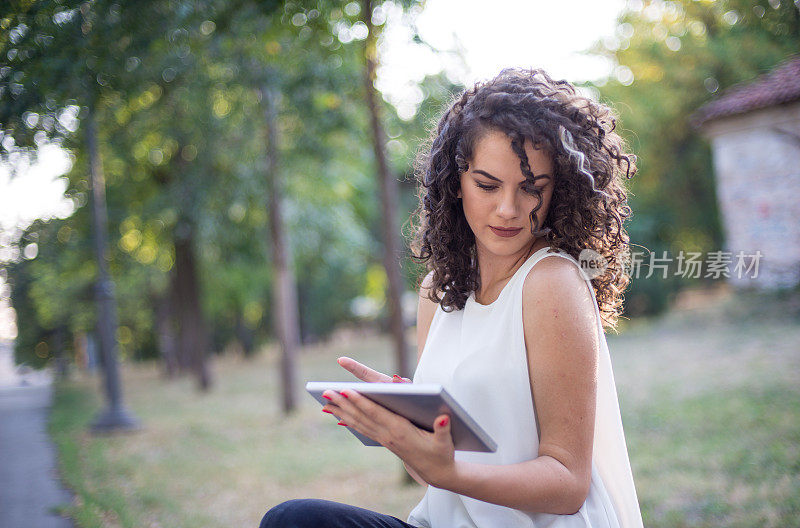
(318, 513)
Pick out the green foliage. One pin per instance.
(182, 140)
(679, 55)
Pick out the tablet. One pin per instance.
(420, 403)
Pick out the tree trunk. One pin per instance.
(389, 201)
(244, 335)
(165, 333)
(192, 335)
(181, 355)
(284, 305)
(115, 415)
(62, 362)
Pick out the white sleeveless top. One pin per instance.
(478, 354)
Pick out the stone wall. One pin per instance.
(757, 166)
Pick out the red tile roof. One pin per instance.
(781, 85)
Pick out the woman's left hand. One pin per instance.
(431, 455)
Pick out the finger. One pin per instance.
(351, 414)
(344, 406)
(441, 428)
(335, 399)
(363, 372)
(375, 421)
(365, 410)
(341, 408)
(330, 404)
(398, 379)
(332, 410)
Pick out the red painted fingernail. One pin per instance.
(443, 421)
(327, 397)
(327, 411)
(345, 395)
(342, 423)
(396, 376)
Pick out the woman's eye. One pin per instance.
(486, 187)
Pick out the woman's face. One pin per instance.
(496, 203)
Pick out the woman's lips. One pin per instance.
(505, 232)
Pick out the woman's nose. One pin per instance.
(508, 207)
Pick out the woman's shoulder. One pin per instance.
(556, 279)
(554, 264)
(557, 305)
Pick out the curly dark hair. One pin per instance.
(589, 203)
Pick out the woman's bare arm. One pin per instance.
(562, 344)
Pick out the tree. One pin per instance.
(184, 137)
(389, 193)
(64, 34)
(671, 57)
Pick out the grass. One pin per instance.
(710, 397)
(711, 407)
(224, 458)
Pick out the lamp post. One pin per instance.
(114, 417)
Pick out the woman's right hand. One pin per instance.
(364, 373)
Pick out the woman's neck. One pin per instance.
(495, 271)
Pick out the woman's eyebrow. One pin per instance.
(484, 173)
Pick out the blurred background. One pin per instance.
(204, 203)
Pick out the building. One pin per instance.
(754, 130)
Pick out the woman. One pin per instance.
(520, 168)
